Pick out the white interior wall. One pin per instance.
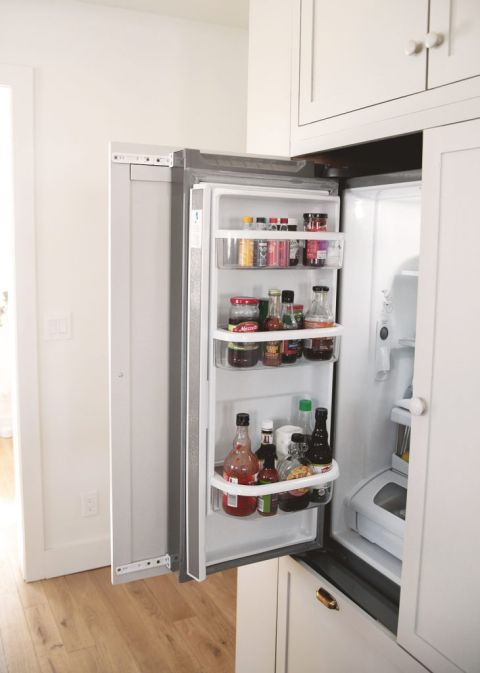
(102, 74)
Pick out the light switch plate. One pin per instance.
(58, 326)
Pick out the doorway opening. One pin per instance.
(8, 519)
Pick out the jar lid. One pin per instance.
(287, 297)
(320, 288)
(267, 425)
(284, 220)
(248, 219)
(273, 219)
(321, 412)
(298, 307)
(249, 301)
(274, 293)
(297, 438)
(292, 220)
(308, 216)
(261, 219)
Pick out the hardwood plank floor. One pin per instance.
(82, 624)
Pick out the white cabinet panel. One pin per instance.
(457, 23)
(352, 54)
(312, 638)
(440, 601)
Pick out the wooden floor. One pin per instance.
(82, 624)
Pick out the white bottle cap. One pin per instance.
(292, 220)
(267, 425)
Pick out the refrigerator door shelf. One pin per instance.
(252, 234)
(218, 482)
(222, 352)
(280, 335)
(229, 241)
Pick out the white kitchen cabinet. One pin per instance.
(312, 637)
(440, 599)
(454, 53)
(356, 54)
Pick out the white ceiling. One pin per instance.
(226, 12)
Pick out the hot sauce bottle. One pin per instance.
(272, 350)
(240, 467)
(267, 505)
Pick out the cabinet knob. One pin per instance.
(433, 40)
(412, 47)
(326, 599)
(418, 406)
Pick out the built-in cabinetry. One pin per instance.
(369, 69)
(358, 71)
(439, 609)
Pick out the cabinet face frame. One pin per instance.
(442, 105)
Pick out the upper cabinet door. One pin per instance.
(454, 39)
(355, 54)
(440, 599)
(139, 360)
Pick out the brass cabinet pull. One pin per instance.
(326, 598)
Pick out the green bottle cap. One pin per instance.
(305, 405)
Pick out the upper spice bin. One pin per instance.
(265, 250)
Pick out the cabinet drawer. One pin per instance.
(312, 637)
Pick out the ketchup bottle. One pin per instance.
(240, 467)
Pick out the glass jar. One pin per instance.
(315, 252)
(319, 315)
(294, 467)
(244, 317)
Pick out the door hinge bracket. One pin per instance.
(143, 159)
(147, 564)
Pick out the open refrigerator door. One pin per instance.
(218, 388)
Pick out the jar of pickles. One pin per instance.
(244, 317)
(315, 252)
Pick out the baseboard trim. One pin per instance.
(70, 558)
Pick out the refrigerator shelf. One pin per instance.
(280, 235)
(219, 483)
(280, 335)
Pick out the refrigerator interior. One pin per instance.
(378, 289)
(270, 393)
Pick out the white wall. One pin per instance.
(102, 74)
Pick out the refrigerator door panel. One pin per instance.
(215, 540)
(139, 362)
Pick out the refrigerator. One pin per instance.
(175, 217)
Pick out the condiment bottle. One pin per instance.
(319, 315)
(244, 317)
(283, 246)
(319, 455)
(272, 350)
(260, 245)
(294, 467)
(294, 245)
(272, 245)
(267, 505)
(240, 467)
(266, 441)
(315, 252)
(291, 347)
(304, 417)
(245, 246)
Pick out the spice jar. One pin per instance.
(315, 252)
(244, 317)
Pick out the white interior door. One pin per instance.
(353, 54)
(456, 53)
(139, 361)
(440, 598)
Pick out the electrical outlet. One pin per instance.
(89, 503)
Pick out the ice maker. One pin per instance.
(376, 510)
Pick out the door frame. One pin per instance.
(25, 380)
